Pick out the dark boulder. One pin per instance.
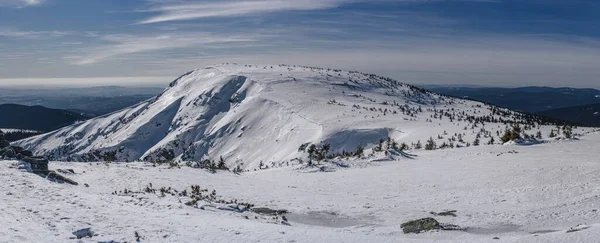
(268, 211)
(13, 152)
(8, 153)
(420, 225)
(26, 153)
(84, 233)
(38, 164)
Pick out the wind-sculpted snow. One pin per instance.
(262, 114)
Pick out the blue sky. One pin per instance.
(481, 42)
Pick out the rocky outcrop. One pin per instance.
(268, 211)
(83, 233)
(36, 164)
(30, 163)
(14, 152)
(421, 225)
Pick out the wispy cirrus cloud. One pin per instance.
(20, 3)
(27, 34)
(121, 45)
(174, 11)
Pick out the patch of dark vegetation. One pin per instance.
(420, 225)
(427, 224)
(17, 135)
(445, 213)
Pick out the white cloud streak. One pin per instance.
(196, 10)
(20, 3)
(129, 44)
(23, 34)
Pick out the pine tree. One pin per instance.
(511, 134)
(323, 151)
(568, 131)
(221, 164)
(418, 145)
(311, 150)
(359, 151)
(552, 134)
(430, 144)
(403, 146)
(379, 147)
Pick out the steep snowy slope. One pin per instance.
(261, 114)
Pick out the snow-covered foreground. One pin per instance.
(516, 193)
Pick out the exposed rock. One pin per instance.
(53, 176)
(84, 233)
(67, 171)
(578, 228)
(30, 163)
(26, 153)
(37, 164)
(14, 152)
(420, 225)
(8, 152)
(17, 149)
(268, 211)
(451, 227)
(326, 169)
(445, 213)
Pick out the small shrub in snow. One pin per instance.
(430, 144)
(511, 134)
(567, 131)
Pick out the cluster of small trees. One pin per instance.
(511, 134)
(211, 164)
(515, 132)
(389, 144)
(316, 152)
(322, 151)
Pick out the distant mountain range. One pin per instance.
(584, 114)
(36, 118)
(569, 104)
(91, 101)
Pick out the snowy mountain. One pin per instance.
(255, 115)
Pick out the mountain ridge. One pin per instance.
(238, 112)
(37, 118)
(520, 98)
(588, 115)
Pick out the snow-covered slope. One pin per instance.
(262, 114)
(501, 194)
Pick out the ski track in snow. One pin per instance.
(534, 194)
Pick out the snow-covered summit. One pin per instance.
(262, 114)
